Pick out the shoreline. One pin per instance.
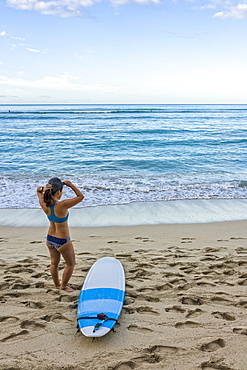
(185, 304)
(136, 213)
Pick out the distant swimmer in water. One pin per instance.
(58, 237)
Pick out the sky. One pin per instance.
(123, 52)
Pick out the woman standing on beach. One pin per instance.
(58, 238)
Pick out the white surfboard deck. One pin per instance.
(102, 293)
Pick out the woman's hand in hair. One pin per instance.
(42, 189)
(47, 187)
(68, 183)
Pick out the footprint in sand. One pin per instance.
(152, 355)
(36, 242)
(148, 298)
(213, 346)
(177, 309)
(43, 255)
(211, 250)
(187, 240)
(240, 330)
(215, 365)
(223, 316)
(194, 313)
(27, 324)
(192, 301)
(138, 329)
(140, 273)
(161, 352)
(73, 306)
(19, 285)
(3, 240)
(14, 336)
(125, 365)
(140, 310)
(243, 276)
(155, 354)
(141, 297)
(220, 300)
(106, 250)
(146, 310)
(208, 258)
(126, 256)
(186, 324)
(33, 304)
(129, 310)
(205, 283)
(123, 255)
(84, 253)
(144, 239)
(241, 250)
(8, 319)
(129, 300)
(54, 317)
(13, 295)
(15, 269)
(67, 298)
(243, 282)
(159, 288)
(40, 275)
(4, 286)
(229, 272)
(39, 284)
(158, 260)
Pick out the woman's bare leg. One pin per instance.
(68, 253)
(55, 259)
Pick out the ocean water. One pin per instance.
(124, 154)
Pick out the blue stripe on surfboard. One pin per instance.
(99, 306)
(99, 300)
(102, 293)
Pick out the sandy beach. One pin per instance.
(185, 305)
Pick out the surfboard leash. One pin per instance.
(101, 316)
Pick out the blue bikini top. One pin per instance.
(54, 218)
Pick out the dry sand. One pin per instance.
(185, 305)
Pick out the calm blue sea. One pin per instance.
(120, 154)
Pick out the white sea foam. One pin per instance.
(139, 213)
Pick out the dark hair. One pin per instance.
(56, 184)
(48, 199)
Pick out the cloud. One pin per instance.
(33, 50)
(66, 8)
(3, 33)
(17, 38)
(64, 82)
(72, 8)
(8, 96)
(238, 12)
(47, 81)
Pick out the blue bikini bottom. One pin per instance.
(54, 242)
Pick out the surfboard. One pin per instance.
(101, 298)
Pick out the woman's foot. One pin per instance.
(67, 289)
